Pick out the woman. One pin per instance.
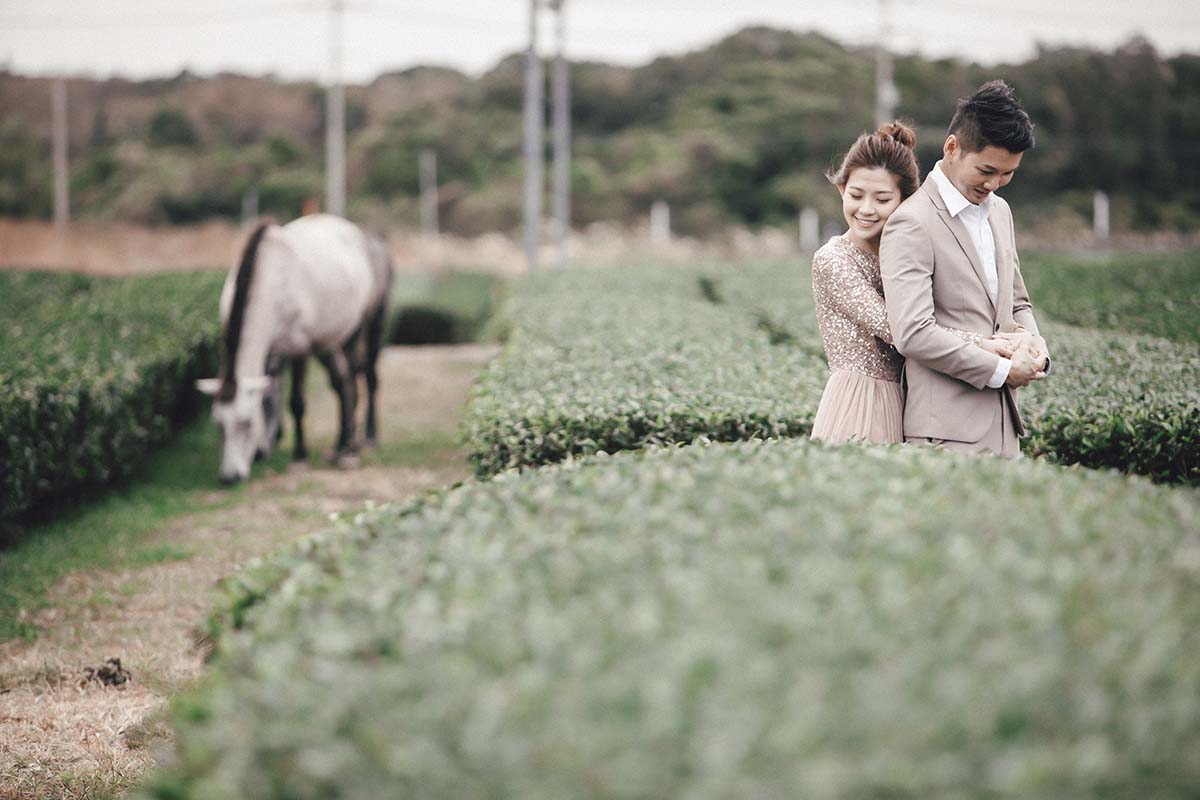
(862, 397)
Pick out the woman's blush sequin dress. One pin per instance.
(862, 397)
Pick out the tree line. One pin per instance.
(737, 133)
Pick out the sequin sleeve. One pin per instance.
(850, 293)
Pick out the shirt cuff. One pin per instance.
(1001, 374)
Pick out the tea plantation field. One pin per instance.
(658, 587)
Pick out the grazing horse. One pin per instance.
(316, 286)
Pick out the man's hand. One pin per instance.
(1027, 365)
(1037, 344)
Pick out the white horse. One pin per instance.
(320, 286)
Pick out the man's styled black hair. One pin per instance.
(992, 116)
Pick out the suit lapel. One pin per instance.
(955, 226)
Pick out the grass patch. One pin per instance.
(106, 533)
(158, 554)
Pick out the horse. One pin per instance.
(316, 286)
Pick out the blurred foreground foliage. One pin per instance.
(775, 619)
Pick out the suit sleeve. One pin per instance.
(906, 260)
(1022, 307)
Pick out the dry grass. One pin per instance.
(118, 248)
(59, 739)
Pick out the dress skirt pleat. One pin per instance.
(855, 406)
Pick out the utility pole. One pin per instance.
(534, 124)
(427, 166)
(335, 117)
(62, 199)
(562, 135)
(886, 94)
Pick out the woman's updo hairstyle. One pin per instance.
(890, 147)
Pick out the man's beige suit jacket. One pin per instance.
(932, 273)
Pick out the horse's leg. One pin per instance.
(374, 345)
(342, 379)
(299, 370)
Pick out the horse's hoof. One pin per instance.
(348, 461)
(370, 445)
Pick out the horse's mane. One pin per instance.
(237, 314)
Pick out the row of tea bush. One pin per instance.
(620, 359)
(93, 373)
(757, 619)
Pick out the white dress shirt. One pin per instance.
(975, 219)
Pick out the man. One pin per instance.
(948, 255)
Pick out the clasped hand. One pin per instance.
(1026, 351)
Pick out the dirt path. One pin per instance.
(58, 740)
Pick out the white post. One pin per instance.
(429, 192)
(335, 118)
(1100, 214)
(62, 199)
(534, 124)
(249, 208)
(886, 95)
(660, 222)
(810, 229)
(562, 136)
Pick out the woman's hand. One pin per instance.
(1003, 344)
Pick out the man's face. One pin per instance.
(977, 175)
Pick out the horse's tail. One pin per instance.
(232, 335)
(377, 321)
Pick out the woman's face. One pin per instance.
(869, 197)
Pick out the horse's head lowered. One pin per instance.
(249, 420)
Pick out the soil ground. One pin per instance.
(60, 738)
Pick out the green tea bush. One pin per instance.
(767, 620)
(443, 309)
(608, 360)
(1149, 293)
(1117, 400)
(93, 373)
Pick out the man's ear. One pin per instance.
(951, 146)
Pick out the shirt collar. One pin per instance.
(953, 198)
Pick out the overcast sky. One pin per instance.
(139, 38)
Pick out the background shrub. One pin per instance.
(1150, 293)
(449, 308)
